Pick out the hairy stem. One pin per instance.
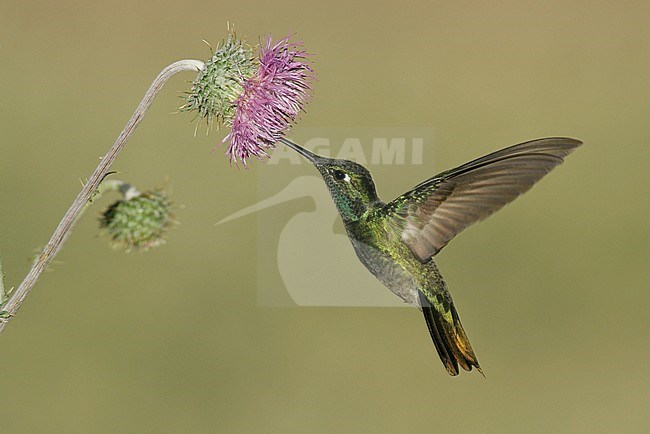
(63, 229)
(3, 295)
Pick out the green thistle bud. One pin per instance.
(138, 222)
(220, 83)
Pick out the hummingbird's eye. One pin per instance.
(339, 175)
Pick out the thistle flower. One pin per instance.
(260, 99)
(271, 100)
(137, 222)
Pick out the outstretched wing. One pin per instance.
(435, 211)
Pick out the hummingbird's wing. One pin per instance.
(435, 211)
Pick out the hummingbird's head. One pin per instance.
(349, 183)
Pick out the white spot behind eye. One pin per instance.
(346, 178)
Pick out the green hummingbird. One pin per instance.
(397, 241)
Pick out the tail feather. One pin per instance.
(448, 336)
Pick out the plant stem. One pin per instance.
(3, 295)
(65, 226)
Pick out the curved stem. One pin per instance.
(63, 229)
(3, 294)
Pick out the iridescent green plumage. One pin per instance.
(396, 241)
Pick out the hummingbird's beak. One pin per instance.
(299, 149)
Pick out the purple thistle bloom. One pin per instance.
(271, 101)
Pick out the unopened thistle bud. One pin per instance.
(137, 222)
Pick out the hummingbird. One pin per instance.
(396, 241)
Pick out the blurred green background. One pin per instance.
(553, 290)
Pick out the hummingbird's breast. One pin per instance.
(387, 259)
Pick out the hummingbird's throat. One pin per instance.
(351, 208)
